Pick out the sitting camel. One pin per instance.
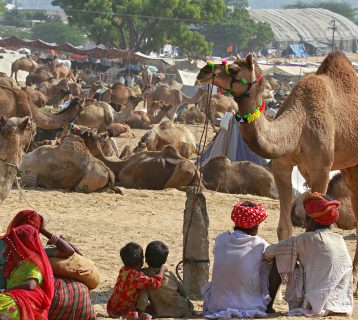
(38, 76)
(132, 102)
(95, 115)
(37, 97)
(168, 133)
(315, 127)
(67, 166)
(53, 87)
(19, 132)
(191, 116)
(241, 177)
(142, 120)
(25, 64)
(337, 190)
(121, 130)
(148, 170)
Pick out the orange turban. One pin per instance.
(248, 217)
(321, 210)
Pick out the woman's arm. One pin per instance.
(29, 285)
(63, 248)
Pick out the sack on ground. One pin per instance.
(78, 268)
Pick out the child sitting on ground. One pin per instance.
(170, 299)
(131, 281)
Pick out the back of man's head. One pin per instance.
(156, 254)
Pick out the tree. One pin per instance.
(343, 8)
(238, 30)
(145, 25)
(2, 7)
(58, 32)
(15, 18)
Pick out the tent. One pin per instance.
(230, 143)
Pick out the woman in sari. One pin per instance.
(76, 305)
(29, 278)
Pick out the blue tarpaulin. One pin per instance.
(299, 50)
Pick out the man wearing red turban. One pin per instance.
(239, 286)
(316, 264)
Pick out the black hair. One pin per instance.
(156, 254)
(132, 255)
(251, 232)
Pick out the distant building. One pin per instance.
(312, 27)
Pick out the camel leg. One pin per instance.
(350, 176)
(282, 171)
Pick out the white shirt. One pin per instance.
(237, 288)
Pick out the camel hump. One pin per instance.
(166, 124)
(337, 66)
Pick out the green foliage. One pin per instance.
(2, 7)
(21, 33)
(16, 18)
(58, 32)
(145, 25)
(240, 30)
(343, 8)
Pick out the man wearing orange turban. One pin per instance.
(316, 264)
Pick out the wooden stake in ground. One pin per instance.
(196, 243)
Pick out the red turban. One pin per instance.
(321, 210)
(248, 217)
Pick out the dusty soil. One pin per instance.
(101, 223)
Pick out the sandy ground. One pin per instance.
(100, 223)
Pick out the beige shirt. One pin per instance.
(169, 300)
(327, 272)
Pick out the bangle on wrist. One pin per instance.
(53, 239)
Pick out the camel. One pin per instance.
(336, 190)
(96, 115)
(315, 127)
(142, 120)
(171, 96)
(16, 135)
(53, 87)
(37, 97)
(148, 170)
(67, 166)
(168, 133)
(7, 81)
(15, 103)
(219, 103)
(25, 64)
(60, 71)
(132, 102)
(39, 76)
(191, 115)
(121, 130)
(242, 177)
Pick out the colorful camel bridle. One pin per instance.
(251, 116)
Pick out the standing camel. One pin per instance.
(315, 128)
(25, 64)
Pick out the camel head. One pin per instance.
(235, 78)
(92, 142)
(15, 136)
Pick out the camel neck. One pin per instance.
(270, 139)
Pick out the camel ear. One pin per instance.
(238, 57)
(2, 121)
(24, 123)
(249, 60)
